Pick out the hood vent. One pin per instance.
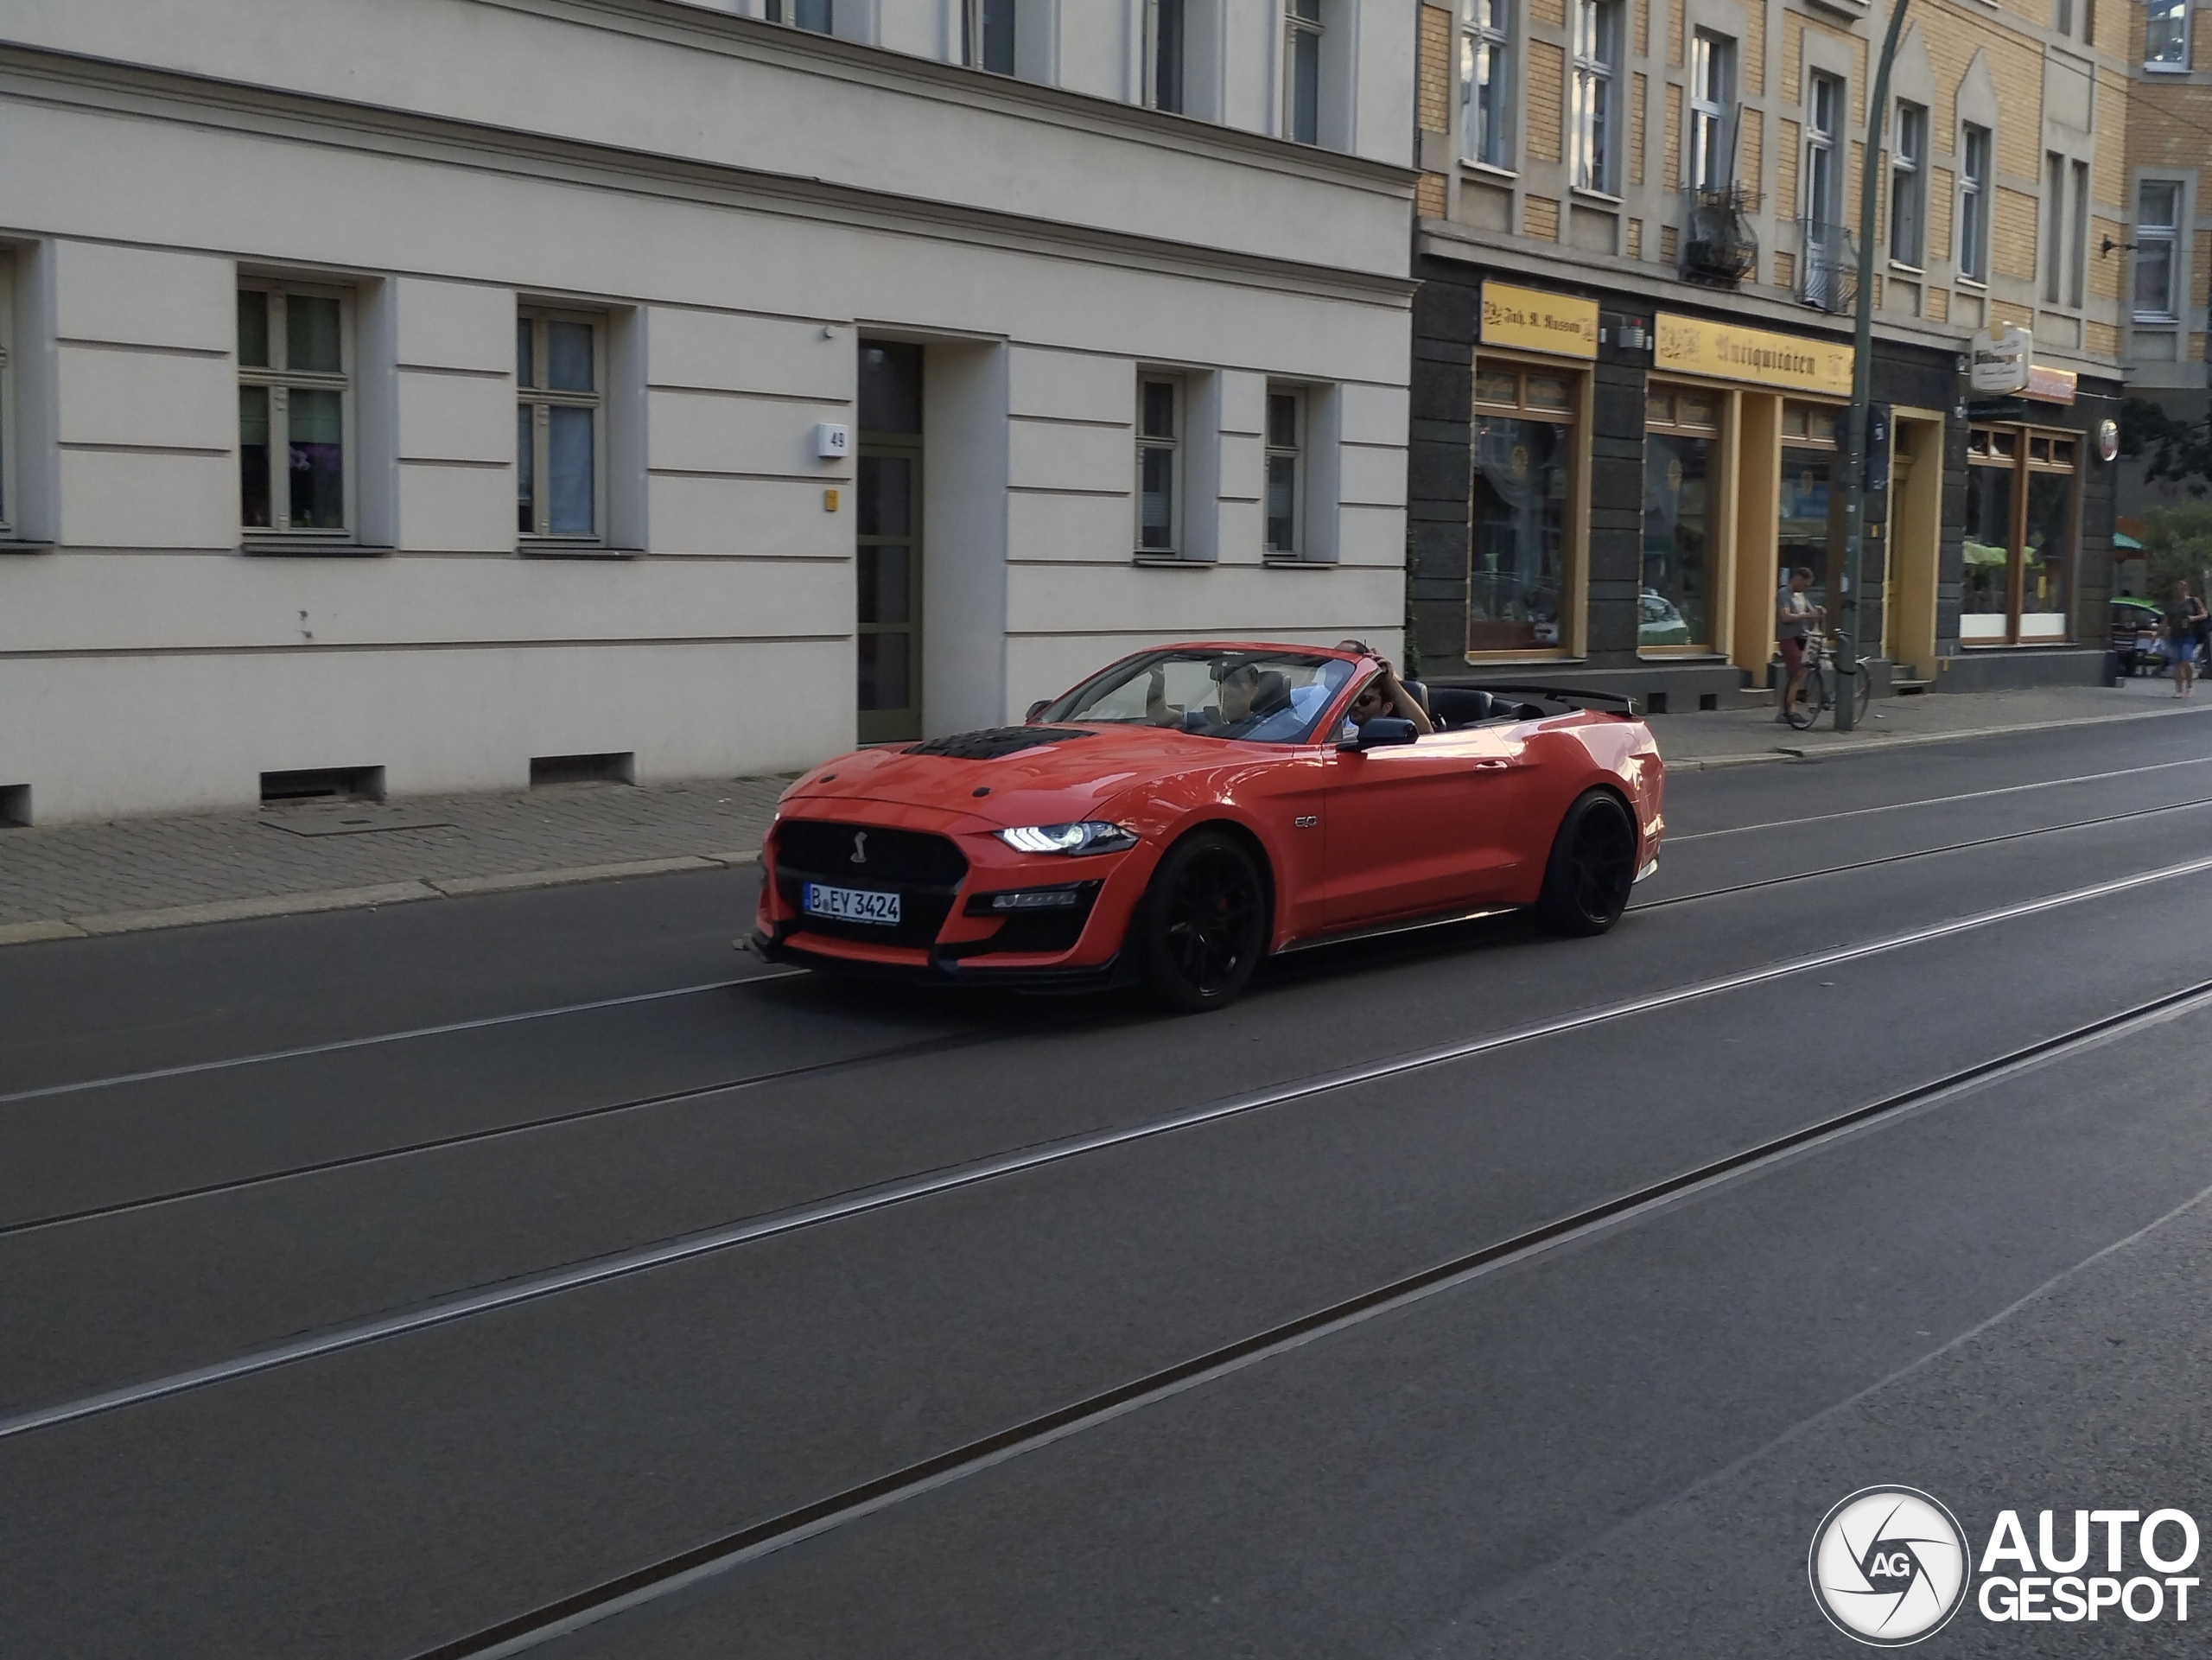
(996, 741)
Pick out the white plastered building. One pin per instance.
(419, 396)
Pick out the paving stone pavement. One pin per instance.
(97, 878)
(67, 881)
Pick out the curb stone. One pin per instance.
(1903, 741)
(357, 899)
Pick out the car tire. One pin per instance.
(1203, 926)
(1591, 867)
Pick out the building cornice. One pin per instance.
(879, 68)
(131, 91)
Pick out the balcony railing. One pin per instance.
(1719, 245)
(1827, 266)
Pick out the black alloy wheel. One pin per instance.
(1203, 924)
(1593, 866)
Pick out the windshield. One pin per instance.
(1261, 696)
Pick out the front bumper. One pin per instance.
(787, 943)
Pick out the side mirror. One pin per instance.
(1038, 708)
(1383, 731)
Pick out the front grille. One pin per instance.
(825, 851)
(925, 870)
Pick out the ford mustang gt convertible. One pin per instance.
(1189, 810)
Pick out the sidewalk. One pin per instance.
(71, 881)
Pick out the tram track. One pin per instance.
(451, 1309)
(680, 1571)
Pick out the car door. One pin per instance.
(1424, 828)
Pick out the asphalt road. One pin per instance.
(533, 1273)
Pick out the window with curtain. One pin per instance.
(294, 405)
(557, 426)
(1486, 81)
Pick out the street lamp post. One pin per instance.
(1862, 379)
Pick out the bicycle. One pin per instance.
(1813, 692)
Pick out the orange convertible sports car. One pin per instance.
(1189, 810)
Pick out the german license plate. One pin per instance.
(852, 904)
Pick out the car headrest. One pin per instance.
(1272, 693)
(1457, 706)
(1420, 694)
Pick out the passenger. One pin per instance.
(1385, 694)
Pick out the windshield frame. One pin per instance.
(1228, 658)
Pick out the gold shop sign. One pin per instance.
(1535, 322)
(1725, 352)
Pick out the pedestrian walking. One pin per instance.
(2184, 620)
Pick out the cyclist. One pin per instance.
(1794, 616)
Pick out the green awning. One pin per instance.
(2121, 539)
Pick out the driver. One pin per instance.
(1384, 694)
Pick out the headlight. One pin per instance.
(1090, 837)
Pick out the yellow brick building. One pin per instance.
(1687, 173)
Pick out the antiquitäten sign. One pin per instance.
(1690, 346)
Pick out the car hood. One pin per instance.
(995, 778)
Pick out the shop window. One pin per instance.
(2020, 545)
(1519, 577)
(559, 432)
(295, 410)
(1486, 81)
(1811, 503)
(1681, 455)
(1159, 464)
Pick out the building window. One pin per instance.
(1286, 501)
(1908, 186)
(817, 16)
(987, 35)
(1486, 81)
(1163, 54)
(7, 400)
(1302, 71)
(2165, 36)
(1519, 575)
(1159, 464)
(2158, 218)
(558, 437)
(1681, 455)
(1597, 55)
(2019, 545)
(1974, 205)
(1712, 82)
(295, 408)
(2077, 247)
(2054, 210)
